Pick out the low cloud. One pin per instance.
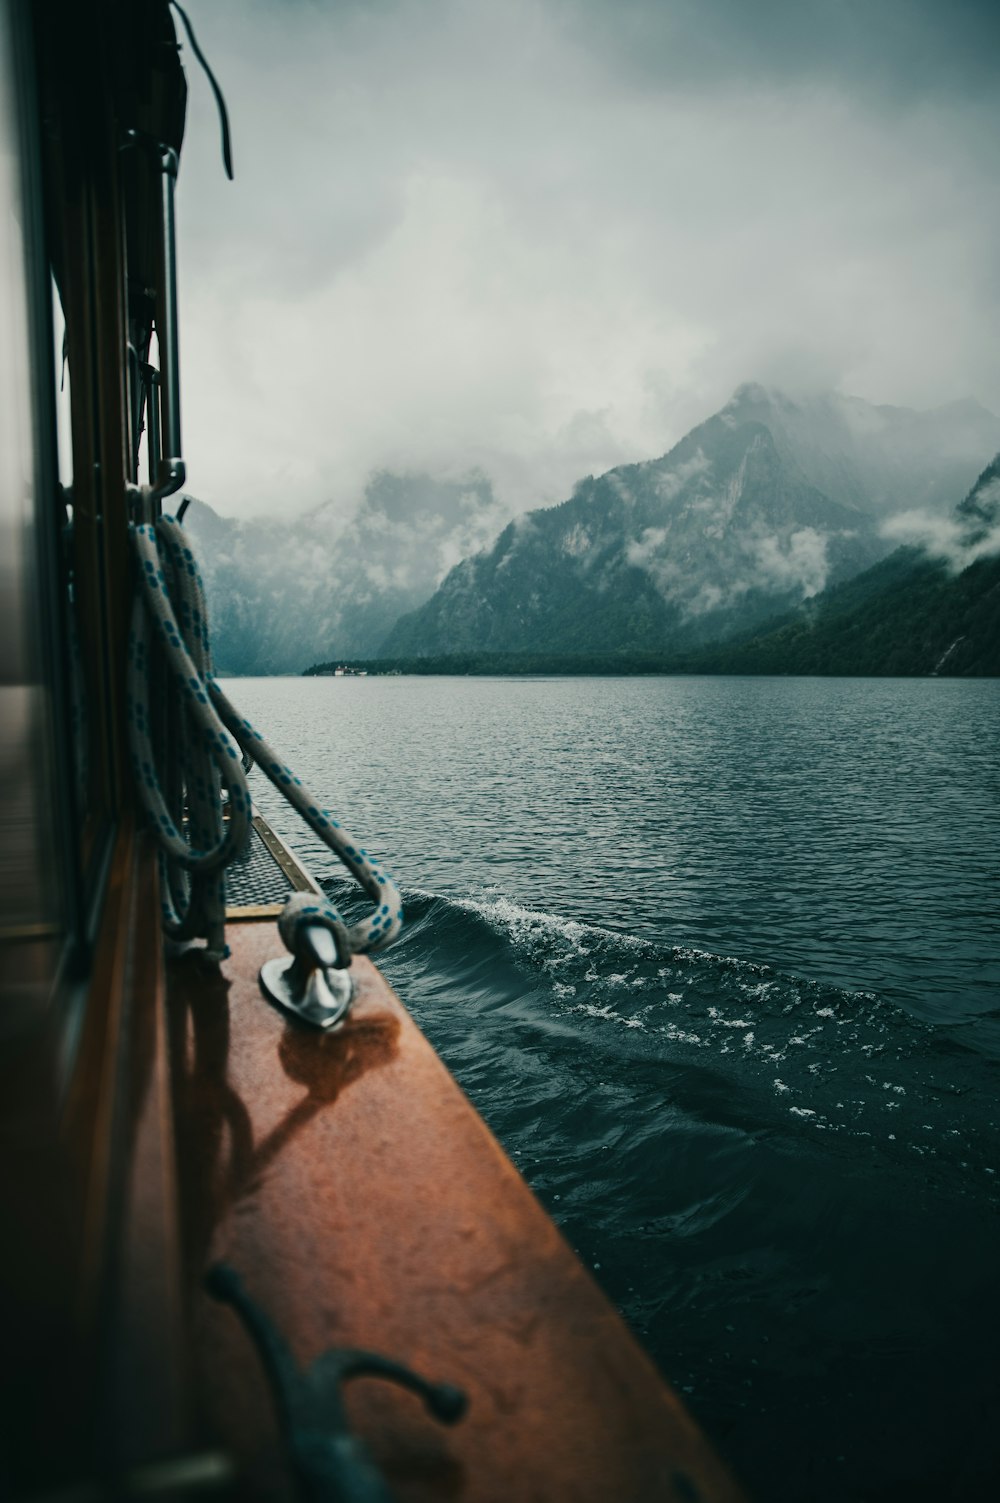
(643, 549)
(541, 239)
(958, 543)
(795, 563)
(669, 483)
(798, 562)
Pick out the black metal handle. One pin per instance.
(331, 1465)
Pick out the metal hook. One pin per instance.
(314, 983)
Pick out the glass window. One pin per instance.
(32, 869)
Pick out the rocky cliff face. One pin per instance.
(759, 508)
(879, 458)
(979, 514)
(754, 511)
(932, 609)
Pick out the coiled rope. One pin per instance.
(195, 792)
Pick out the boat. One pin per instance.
(257, 1243)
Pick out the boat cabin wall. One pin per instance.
(81, 1058)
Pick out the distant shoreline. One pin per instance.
(584, 665)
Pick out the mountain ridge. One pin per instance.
(709, 540)
(278, 589)
(722, 532)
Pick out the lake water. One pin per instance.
(719, 962)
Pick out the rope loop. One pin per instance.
(175, 701)
(169, 708)
(307, 908)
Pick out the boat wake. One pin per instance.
(737, 1041)
(746, 1159)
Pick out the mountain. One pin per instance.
(755, 510)
(882, 459)
(923, 610)
(979, 514)
(932, 610)
(278, 591)
(762, 506)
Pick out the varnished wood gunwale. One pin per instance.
(149, 1380)
(347, 1178)
(365, 1203)
(94, 1378)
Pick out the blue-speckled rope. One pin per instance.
(201, 758)
(212, 732)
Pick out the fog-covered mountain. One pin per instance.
(979, 514)
(883, 459)
(281, 591)
(755, 510)
(929, 609)
(762, 506)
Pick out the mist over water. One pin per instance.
(719, 962)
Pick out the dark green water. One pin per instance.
(719, 961)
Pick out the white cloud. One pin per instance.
(796, 563)
(460, 237)
(642, 550)
(940, 537)
(669, 483)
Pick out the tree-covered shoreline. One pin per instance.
(907, 617)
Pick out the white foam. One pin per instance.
(608, 1014)
(716, 1016)
(516, 921)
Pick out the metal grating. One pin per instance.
(263, 878)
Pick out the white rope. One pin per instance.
(203, 735)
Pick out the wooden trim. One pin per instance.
(149, 1400)
(365, 1203)
(92, 1107)
(93, 1377)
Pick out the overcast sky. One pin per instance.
(541, 237)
